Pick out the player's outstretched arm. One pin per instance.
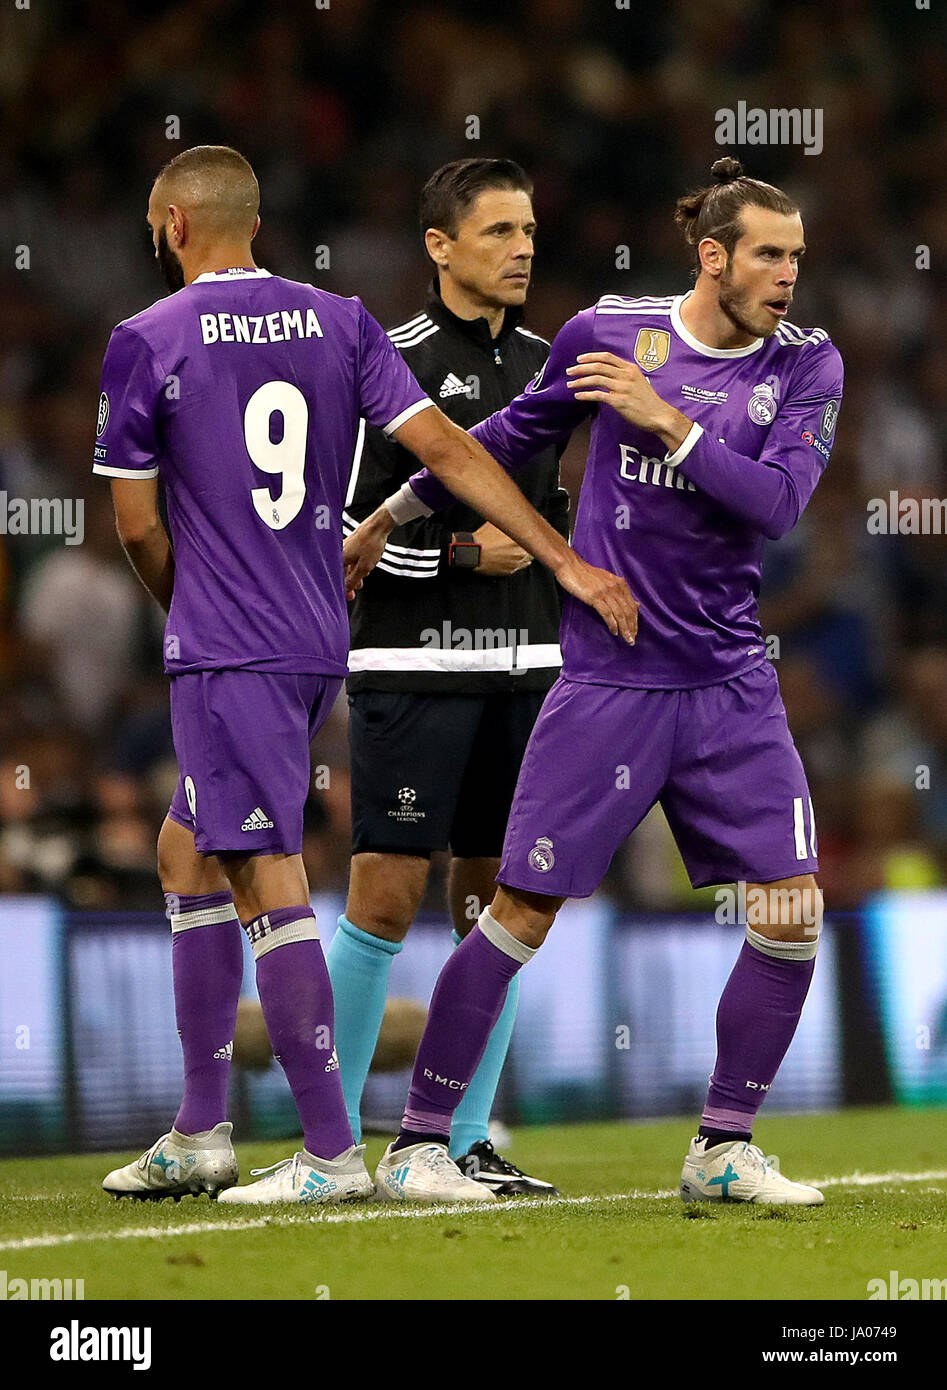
(544, 414)
(143, 537)
(472, 476)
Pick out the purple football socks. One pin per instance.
(757, 1017)
(296, 997)
(207, 968)
(468, 997)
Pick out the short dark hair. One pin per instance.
(452, 189)
(714, 211)
(219, 180)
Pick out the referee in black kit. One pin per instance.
(455, 642)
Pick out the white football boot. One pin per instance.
(305, 1180)
(178, 1165)
(425, 1173)
(740, 1172)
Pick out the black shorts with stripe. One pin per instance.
(434, 772)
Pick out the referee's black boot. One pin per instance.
(482, 1163)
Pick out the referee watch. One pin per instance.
(464, 552)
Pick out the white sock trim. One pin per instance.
(203, 917)
(783, 950)
(499, 937)
(265, 938)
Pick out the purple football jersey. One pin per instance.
(243, 393)
(686, 530)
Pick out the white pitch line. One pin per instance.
(874, 1179)
(380, 1212)
(395, 1212)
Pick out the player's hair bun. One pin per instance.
(726, 170)
(715, 210)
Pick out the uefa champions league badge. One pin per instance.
(541, 857)
(103, 416)
(761, 407)
(829, 417)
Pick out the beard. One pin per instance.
(736, 305)
(170, 266)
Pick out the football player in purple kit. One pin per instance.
(712, 421)
(241, 394)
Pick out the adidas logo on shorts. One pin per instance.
(257, 820)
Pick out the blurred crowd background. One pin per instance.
(344, 111)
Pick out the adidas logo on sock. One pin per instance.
(224, 1054)
(257, 820)
(453, 386)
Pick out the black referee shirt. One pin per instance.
(418, 624)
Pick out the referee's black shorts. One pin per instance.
(432, 772)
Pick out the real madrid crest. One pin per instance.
(761, 407)
(541, 856)
(652, 346)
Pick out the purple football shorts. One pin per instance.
(720, 760)
(242, 744)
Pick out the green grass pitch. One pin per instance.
(620, 1230)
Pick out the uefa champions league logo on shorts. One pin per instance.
(761, 407)
(407, 812)
(541, 857)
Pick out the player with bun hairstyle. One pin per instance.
(712, 420)
(715, 217)
(715, 211)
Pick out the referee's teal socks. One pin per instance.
(359, 966)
